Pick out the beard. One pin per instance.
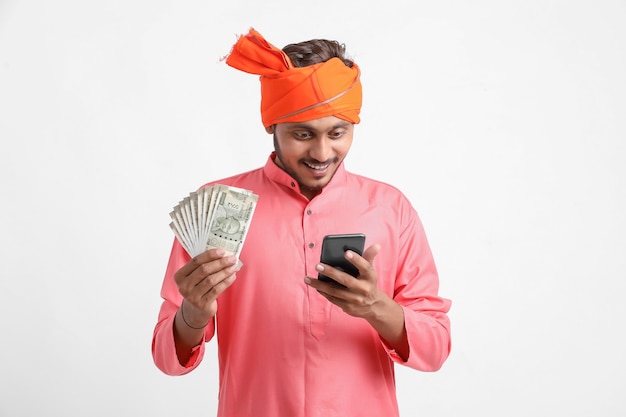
(304, 188)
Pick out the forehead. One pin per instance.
(321, 124)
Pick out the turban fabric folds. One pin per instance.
(297, 94)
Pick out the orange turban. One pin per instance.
(294, 94)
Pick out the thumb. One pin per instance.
(371, 252)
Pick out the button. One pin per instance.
(293, 184)
(309, 212)
(311, 244)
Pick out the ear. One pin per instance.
(269, 129)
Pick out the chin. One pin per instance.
(316, 186)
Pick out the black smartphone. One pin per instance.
(333, 248)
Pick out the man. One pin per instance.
(289, 344)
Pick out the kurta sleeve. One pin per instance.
(416, 290)
(163, 346)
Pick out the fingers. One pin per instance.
(215, 283)
(199, 261)
(371, 252)
(363, 264)
(358, 295)
(204, 274)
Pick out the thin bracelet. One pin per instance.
(182, 313)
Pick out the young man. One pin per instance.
(289, 344)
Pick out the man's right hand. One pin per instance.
(202, 280)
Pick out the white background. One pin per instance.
(503, 122)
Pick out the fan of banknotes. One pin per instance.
(216, 216)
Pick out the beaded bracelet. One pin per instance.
(182, 313)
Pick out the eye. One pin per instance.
(302, 135)
(336, 134)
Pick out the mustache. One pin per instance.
(316, 162)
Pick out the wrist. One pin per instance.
(188, 320)
(382, 309)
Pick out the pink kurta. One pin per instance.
(286, 351)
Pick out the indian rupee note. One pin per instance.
(231, 216)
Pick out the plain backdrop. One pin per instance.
(503, 122)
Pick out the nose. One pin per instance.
(321, 149)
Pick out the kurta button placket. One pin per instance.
(319, 309)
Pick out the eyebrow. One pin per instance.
(309, 127)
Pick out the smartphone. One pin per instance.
(333, 248)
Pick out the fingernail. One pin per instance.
(319, 267)
(307, 280)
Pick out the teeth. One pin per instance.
(317, 167)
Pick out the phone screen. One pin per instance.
(333, 248)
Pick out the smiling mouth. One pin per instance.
(317, 167)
